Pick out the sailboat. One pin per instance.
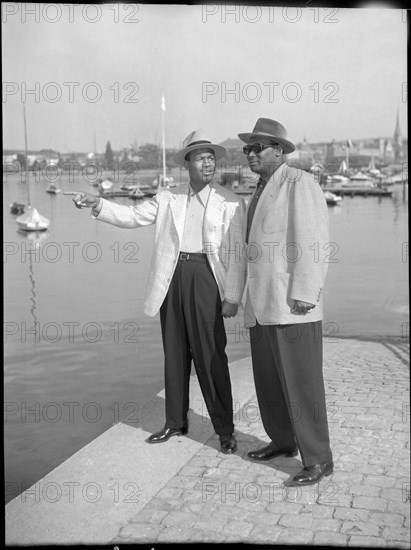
(372, 170)
(343, 168)
(340, 177)
(136, 193)
(31, 220)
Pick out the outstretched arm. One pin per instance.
(119, 215)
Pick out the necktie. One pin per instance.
(253, 206)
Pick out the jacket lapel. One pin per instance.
(272, 188)
(214, 208)
(276, 181)
(178, 204)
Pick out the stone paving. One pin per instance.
(365, 502)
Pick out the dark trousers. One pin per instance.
(193, 328)
(287, 366)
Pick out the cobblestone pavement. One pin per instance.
(228, 498)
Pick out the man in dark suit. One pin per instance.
(287, 222)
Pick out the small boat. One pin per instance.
(106, 185)
(384, 181)
(337, 179)
(17, 208)
(129, 186)
(136, 193)
(132, 183)
(359, 180)
(53, 190)
(32, 221)
(331, 198)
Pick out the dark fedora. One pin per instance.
(268, 128)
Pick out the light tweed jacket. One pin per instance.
(288, 250)
(223, 238)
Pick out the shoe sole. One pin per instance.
(288, 455)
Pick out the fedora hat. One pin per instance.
(265, 127)
(198, 140)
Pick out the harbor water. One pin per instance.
(80, 354)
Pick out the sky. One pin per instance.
(101, 71)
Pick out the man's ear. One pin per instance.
(186, 163)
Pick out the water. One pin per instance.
(98, 358)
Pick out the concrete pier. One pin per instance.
(118, 489)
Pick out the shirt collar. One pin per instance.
(202, 195)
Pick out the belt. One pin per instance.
(193, 257)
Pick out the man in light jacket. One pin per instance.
(287, 236)
(197, 277)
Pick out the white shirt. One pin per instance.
(192, 240)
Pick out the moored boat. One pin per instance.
(338, 179)
(106, 185)
(17, 208)
(53, 189)
(136, 193)
(331, 198)
(359, 180)
(32, 221)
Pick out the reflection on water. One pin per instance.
(34, 237)
(95, 356)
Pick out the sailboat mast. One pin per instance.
(163, 108)
(26, 157)
(95, 149)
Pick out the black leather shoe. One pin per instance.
(228, 444)
(267, 453)
(310, 475)
(165, 434)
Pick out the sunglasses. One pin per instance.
(256, 148)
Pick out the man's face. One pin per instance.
(201, 165)
(263, 161)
